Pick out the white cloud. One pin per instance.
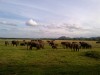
(31, 23)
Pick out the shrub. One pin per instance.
(92, 54)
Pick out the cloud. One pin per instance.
(31, 23)
(72, 26)
(7, 23)
(77, 18)
(4, 29)
(64, 26)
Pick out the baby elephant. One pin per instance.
(55, 46)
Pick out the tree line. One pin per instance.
(59, 38)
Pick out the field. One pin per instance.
(48, 61)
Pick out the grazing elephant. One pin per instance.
(37, 44)
(66, 44)
(6, 43)
(51, 42)
(75, 46)
(97, 41)
(85, 45)
(22, 44)
(55, 46)
(15, 43)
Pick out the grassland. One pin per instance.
(48, 61)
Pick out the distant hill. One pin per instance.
(63, 38)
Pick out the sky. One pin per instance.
(49, 18)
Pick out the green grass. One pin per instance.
(48, 61)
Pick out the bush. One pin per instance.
(92, 54)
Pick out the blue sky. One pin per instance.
(49, 18)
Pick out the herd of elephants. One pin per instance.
(39, 44)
